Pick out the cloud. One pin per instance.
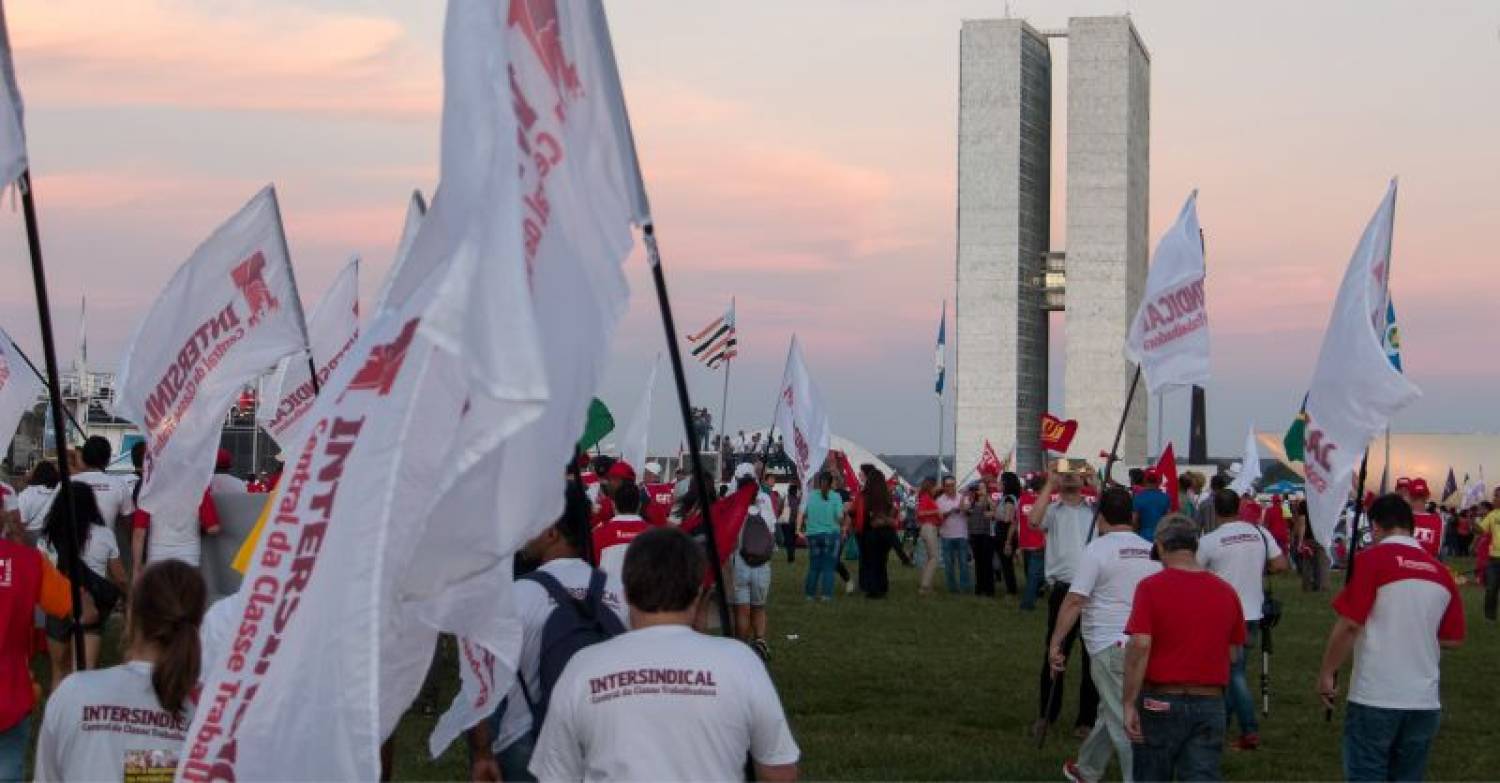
(269, 57)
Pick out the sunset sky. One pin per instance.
(800, 156)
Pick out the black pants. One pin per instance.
(1088, 696)
(1007, 564)
(1491, 589)
(789, 541)
(983, 547)
(875, 547)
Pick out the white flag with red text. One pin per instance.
(801, 417)
(19, 389)
(1355, 391)
(1169, 336)
(439, 446)
(230, 312)
(288, 393)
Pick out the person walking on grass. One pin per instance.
(1029, 539)
(1103, 589)
(1185, 623)
(955, 534)
(1489, 527)
(1396, 613)
(880, 532)
(821, 521)
(979, 519)
(1004, 491)
(1241, 553)
(930, 518)
(1067, 523)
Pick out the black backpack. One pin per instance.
(572, 626)
(757, 542)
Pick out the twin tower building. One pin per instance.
(1012, 272)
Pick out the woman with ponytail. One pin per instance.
(103, 573)
(131, 720)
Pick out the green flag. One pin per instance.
(1295, 436)
(601, 422)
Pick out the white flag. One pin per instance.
(1169, 336)
(288, 393)
(801, 417)
(12, 130)
(1355, 391)
(439, 447)
(399, 283)
(19, 389)
(633, 439)
(229, 312)
(1249, 466)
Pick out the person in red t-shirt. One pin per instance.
(1428, 526)
(929, 519)
(619, 473)
(1032, 542)
(1185, 624)
(27, 581)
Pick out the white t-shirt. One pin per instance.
(1111, 567)
(223, 482)
(533, 606)
(1236, 553)
(1067, 534)
(97, 551)
(218, 627)
(663, 703)
(34, 504)
(113, 492)
(107, 725)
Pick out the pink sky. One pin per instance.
(799, 156)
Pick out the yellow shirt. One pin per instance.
(1491, 524)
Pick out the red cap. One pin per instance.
(224, 460)
(1419, 488)
(1152, 474)
(1403, 483)
(621, 470)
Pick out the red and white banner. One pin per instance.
(1169, 336)
(438, 448)
(19, 390)
(989, 462)
(229, 312)
(1355, 391)
(287, 394)
(801, 417)
(12, 130)
(1057, 435)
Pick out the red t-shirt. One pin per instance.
(27, 581)
(1193, 618)
(1250, 511)
(1276, 525)
(927, 511)
(658, 504)
(1026, 538)
(1428, 531)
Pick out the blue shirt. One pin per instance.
(1151, 505)
(823, 515)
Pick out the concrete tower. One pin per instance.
(1009, 273)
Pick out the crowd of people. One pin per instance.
(621, 677)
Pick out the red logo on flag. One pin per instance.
(537, 20)
(384, 364)
(1057, 435)
(989, 462)
(250, 278)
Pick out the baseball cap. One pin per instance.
(744, 470)
(1419, 488)
(1403, 483)
(1152, 474)
(223, 460)
(652, 467)
(621, 470)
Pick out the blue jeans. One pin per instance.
(1184, 738)
(956, 570)
(13, 743)
(1239, 701)
(822, 556)
(1384, 744)
(1036, 562)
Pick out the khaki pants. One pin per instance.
(1107, 667)
(934, 551)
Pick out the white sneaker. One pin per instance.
(849, 587)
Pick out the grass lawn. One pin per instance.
(944, 688)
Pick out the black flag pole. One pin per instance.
(669, 325)
(54, 387)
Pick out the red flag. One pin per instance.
(729, 517)
(1057, 435)
(852, 483)
(1166, 465)
(989, 462)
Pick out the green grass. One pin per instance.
(944, 688)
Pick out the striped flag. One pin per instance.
(718, 342)
(942, 350)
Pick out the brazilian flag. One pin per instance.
(1296, 435)
(600, 423)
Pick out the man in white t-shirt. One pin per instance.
(1399, 609)
(557, 550)
(1241, 553)
(664, 702)
(1103, 591)
(113, 492)
(1060, 510)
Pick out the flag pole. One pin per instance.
(286, 252)
(43, 378)
(1114, 451)
(54, 391)
(684, 403)
(940, 438)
